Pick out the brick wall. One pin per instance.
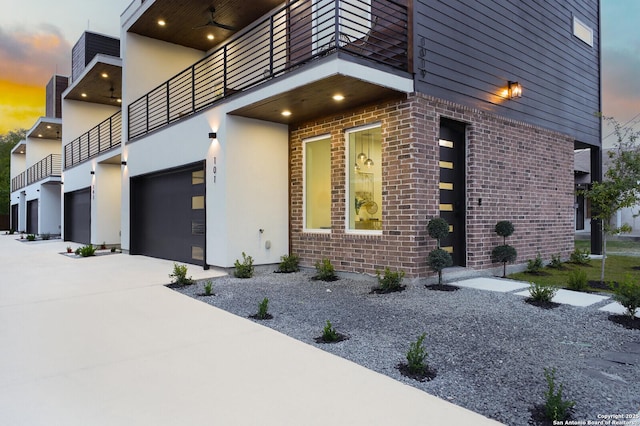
(522, 173)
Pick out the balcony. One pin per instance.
(101, 138)
(19, 182)
(47, 167)
(295, 35)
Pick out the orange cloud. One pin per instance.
(20, 105)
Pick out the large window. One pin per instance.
(317, 184)
(364, 179)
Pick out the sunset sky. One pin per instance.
(36, 37)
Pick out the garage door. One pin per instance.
(77, 216)
(32, 217)
(168, 214)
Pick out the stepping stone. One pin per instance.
(622, 357)
(616, 308)
(631, 347)
(573, 298)
(599, 363)
(492, 284)
(605, 377)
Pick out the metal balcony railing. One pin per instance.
(51, 165)
(101, 138)
(19, 181)
(296, 34)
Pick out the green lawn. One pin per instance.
(625, 246)
(616, 267)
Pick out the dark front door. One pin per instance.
(580, 213)
(452, 188)
(77, 216)
(14, 217)
(168, 214)
(32, 217)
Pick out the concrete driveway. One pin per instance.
(101, 341)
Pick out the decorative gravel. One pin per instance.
(489, 349)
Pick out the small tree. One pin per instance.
(504, 253)
(619, 189)
(438, 259)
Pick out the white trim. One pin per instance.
(582, 31)
(304, 183)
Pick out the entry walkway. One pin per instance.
(101, 341)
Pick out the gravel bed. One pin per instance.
(489, 349)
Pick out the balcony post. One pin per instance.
(193, 88)
(168, 102)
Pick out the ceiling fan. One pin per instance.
(213, 23)
(112, 97)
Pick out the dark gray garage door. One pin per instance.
(77, 216)
(32, 217)
(168, 214)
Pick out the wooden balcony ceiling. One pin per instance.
(315, 100)
(182, 17)
(97, 87)
(46, 130)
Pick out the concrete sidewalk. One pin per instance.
(101, 341)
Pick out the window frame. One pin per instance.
(306, 229)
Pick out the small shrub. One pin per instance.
(329, 333)
(417, 355)
(555, 408)
(504, 228)
(12, 231)
(208, 288)
(577, 280)
(390, 281)
(325, 270)
(627, 293)
(244, 269)
(289, 263)
(263, 309)
(437, 260)
(113, 249)
(556, 262)
(45, 237)
(438, 228)
(179, 275)
(580, 257)
(69, 249)
(542, 292)
(504, 254)
(86, 251)
(534, 266)
(31, 237)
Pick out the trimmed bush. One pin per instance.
(627, 293)
(504, 254)
(179, 275)
(437, 260)
(504, 228)
(325, 270)
(244, 269)
(438, 229)
(390, 281)
(289, 263)
(542, 292)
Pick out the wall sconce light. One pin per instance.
(213, 135)
(124, 163)
(93, 172)
(514, 90)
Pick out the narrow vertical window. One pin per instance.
(317, 183)
(364, 176)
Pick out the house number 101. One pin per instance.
(215, 169)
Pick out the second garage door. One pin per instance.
(77, 216)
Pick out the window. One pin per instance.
(582, 31)
(317, 184)
(364, 179)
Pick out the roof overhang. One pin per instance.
(46, 128)
(20, 148)
(101, 82)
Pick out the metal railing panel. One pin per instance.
(101, 138)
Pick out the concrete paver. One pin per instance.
(492, 284)
(573, 298)
(101, 341)
(616, 308)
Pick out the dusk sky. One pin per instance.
(36, 37)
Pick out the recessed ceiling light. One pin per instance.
(21, 152)
(286, 113)
(84, 95)
(119, 100)
(161, 22)
(104, 75)
(338, 97)
(39, 135)
(210, 36)
(48, 126)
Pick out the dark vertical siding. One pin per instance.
(467, 50)
(55, 87)
(87, 47)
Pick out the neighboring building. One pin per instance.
(338, 129)
(91, 144)
(36, 170)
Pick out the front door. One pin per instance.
(32, 217)
(452, 188)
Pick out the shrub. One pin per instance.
(416, 356)
(555, 408)
(504, 228)
(289, 263)
(325, 270)
(244, 269)
(535, 265)
(86, 251)
(12, 231)
(390, 281)
(263, 308)
(577, 280)
(437, 260)
(113, 249)
(542, 292)
(179, 275)
(504, 254)
(329, 333)
(31, 237)
(556, 262)
(627, 293)
(208, 288)
(580, 257)
(438, 229)
(45, 236)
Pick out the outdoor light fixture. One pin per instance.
(514, 90)
(93, 172)
(213, 135)
(124, 163)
